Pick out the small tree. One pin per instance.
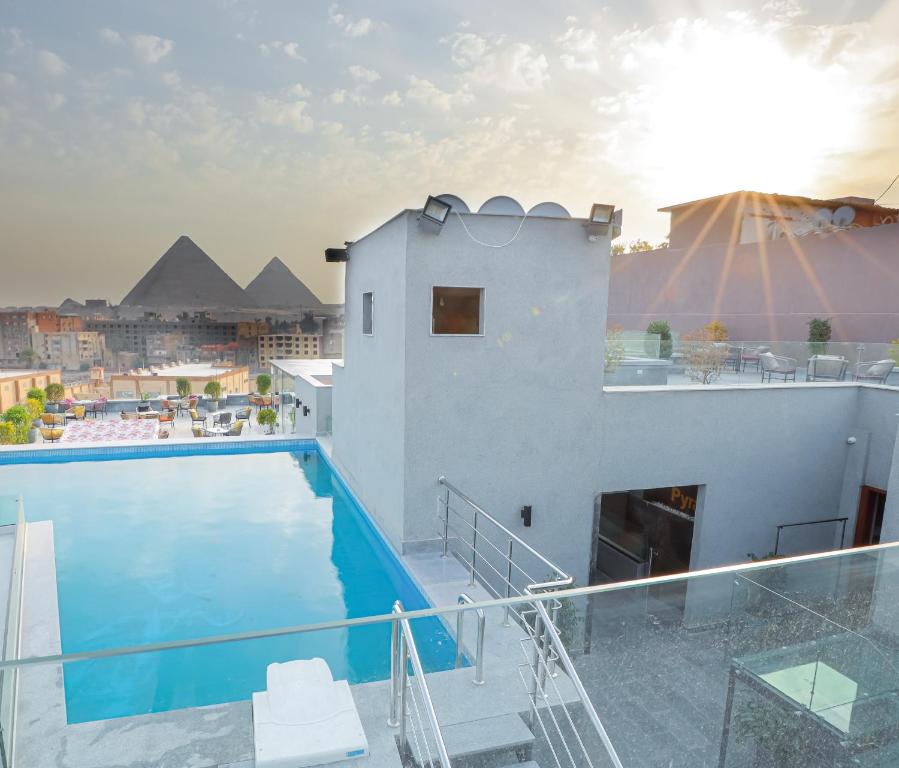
(36, 393)
(182, 385)
(267, 418)
(819, 333)
(263, 383)
(716, 331)
(614, 348)
(663, 330)
(34, 407)
(703, 356)
(55, 392)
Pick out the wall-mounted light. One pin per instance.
(305, 410)
(434, 214)
(333, 255)
(526, 515)
(602, 220)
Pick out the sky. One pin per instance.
(280, 128)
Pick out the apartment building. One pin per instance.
(289, 346)
(69, 350)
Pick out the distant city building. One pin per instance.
(14, 384)
(69, 350)
(289, 346)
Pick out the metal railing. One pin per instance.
(498, 568)
(479, 653)
(550, 715)
(422, 719)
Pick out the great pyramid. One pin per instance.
(276, 286)
(186, 276)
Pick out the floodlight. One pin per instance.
(435, 213)
(601, 219)
(333, 255)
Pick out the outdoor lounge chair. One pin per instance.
(775, 365)
(51, 434)
(243, 414)
(826, 368)
(750, 356)
(167, 417)
(53, 419)
(236, 429)
(875, 373)
(196, 420)
(199, 431)
(222, 420)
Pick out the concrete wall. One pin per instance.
(369, 391)
(496, 413)
(317, 398)
(766, 291)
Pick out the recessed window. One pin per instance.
(457, 311)
(368, 306)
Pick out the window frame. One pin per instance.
(482, 316)
(371, 313)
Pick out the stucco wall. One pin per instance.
(506, 415)
(368, 392)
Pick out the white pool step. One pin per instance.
(305, 717)
(501, 734)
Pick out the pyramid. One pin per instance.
(70, 306)
(277, 286)
(185, 276)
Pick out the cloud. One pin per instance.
(288, 114)
(581, 49)
(172, 80)
(111, 36)
(150, 48)
(291, 50)
(299, 90)
(338, 96)
(392, 99)
(426, 93)
(8, 80)
(349, 26)
(54, 101)
(52, 63)
(330, 128)
(496, 62)
(362, 74)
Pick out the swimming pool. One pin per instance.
(157, 549)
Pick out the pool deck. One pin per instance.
(221, 736)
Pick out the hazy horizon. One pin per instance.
(279, 129)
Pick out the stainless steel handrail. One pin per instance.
(551, 637)
(512, 540)
(403, 652)
(479, 653)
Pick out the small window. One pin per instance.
(368, 304)
(457, 311)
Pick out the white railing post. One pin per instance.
(392, 718)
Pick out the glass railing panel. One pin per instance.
(13, 543)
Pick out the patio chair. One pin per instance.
(750, 356)
(51, 434)
(167, 417)
(196, 419)
(732, 358)
(826, 368)
(98, 408)
(53, 419)
(222, 419)
(243, 414)
(775, 365)
(875, 373)
(236, 429)
(126, 416)
(199, 431)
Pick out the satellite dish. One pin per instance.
(458, 204)
(823, 217)
(501, 205)
(550, 211)
(844, 216)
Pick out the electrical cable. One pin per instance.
(895, 179)
(491, 245)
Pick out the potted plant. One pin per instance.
(819, 333)
(19, 417)
(213, 390)
(263, 384)
(7, 433)
(35, 408)
(144, 405)
(183, 387)
(54, 392)
(267, 418)
(663, 331)
(36, 393)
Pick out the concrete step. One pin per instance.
(505, 737)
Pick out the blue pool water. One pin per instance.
(149, 550)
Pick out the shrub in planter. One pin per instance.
(267, 418)
(213, 390)
(36, 393)
(55, 392)
(183, 387)
(263, 383)
(819, 333)
(663, 330)
(7, 433)
(18, 416)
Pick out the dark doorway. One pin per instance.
(870, 516)
(643, 533)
